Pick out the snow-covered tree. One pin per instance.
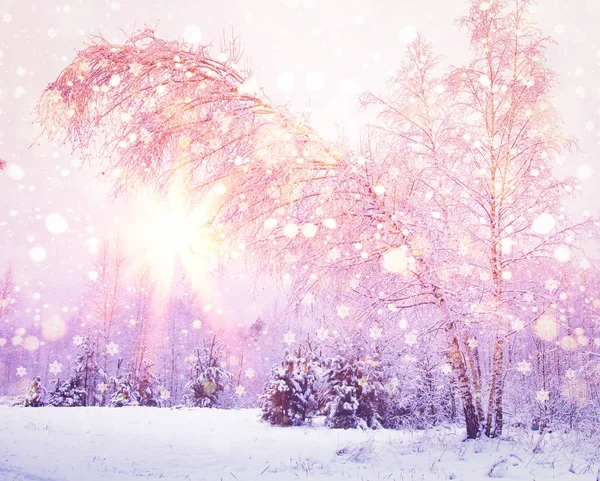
(34, 394)
(473, 206)
(137, 388)
(105, 303)
(7, 285)
(355, 393)
(290, 397)
(141, 320)
(147, 385)
(124, 393)
(88, 374)
(208, 378)
(70, 393)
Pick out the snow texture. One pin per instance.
(76, 444)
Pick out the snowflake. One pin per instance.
(375, 333)
(446, 369)
(165, 395)
(322, 334)
(146, 136)
(343, 311)
(55, 368)
(308, 299)
(112, 348)
(289, 338)
(84, 66)
(517, 324)
(552, 284)
(52, 33)
(77, 341)
(135, 69)
(559, 29)
(334, 254)
(570, 374)
(472, 342)
(7, 18)
(542, 395)
(589, 126)
(524, 367)
(584, 264)
(240, 390)
(249, 373)
(102, 387)
(21, 371)
(528, 297)
(411, 338)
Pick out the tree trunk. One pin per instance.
(471, 418)
(472, 421)
(473, 360)
(494, 415)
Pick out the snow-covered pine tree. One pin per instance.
(81, 389)
(88, 372)
(125, 393)
(34, 394)
(146, 385)
(290, 395)
(354, 393)
(139, 388)
(207, 377)
(68, 394)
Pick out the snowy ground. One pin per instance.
(86, 444)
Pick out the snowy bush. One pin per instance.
(34, 394)
(207, 377)
(125, 393)
(81, 389)
(146, 385)
(420, 397)
(290, 394)
(355, 393)
(68, 394)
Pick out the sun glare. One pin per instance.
(172, 234)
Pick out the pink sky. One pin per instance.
(308, 53)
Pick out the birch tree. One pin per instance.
(485, 138)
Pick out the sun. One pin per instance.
(171, 235)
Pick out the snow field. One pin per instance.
(118, 444)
